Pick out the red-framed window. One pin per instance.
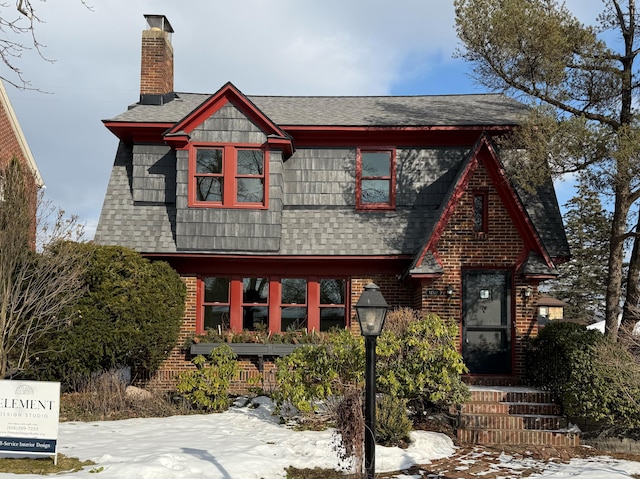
(255, 303)
(215, 309)
(277, 304)
(332, 303)
(228, 175)
(480, 212)
(293, 304)
(375, 178)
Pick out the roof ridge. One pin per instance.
(358, 96)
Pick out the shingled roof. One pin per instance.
(380, 111)
(316, 215)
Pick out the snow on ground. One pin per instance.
(250, 443)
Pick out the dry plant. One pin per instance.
(106, 396)
(350, 430)
(398, 320)
(37, 285)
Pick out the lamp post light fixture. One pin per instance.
(371, 310)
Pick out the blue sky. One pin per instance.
(280, 47)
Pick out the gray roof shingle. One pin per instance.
(428, 110)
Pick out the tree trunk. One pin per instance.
(630, 312)
(616, 254)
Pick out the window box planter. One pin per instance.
(247, 349)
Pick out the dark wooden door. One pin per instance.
(486, 321)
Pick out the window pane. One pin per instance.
(216, 317)
(331, 318)
(250, 162)
(208, 188)
(376, 163)
(332, 291)
(478, 213)
(209, 161)
(255, 317)
(216, 290)
(255, 290)
(250, 190)
(294, 318)
(375, 191)
(294, 291)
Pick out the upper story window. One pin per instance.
(228, 176)
(375, 179)
(480, 212)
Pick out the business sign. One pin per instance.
(29, 415)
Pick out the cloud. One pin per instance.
(286, 47)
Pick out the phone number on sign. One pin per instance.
(21, 428)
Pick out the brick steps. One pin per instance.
(513, 415)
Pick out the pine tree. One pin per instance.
(583, 280)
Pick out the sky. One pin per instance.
(249, 442)
(279, 47)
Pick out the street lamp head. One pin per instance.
(371, 310)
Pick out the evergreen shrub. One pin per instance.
(129, 316)
(593, 378)
(418, 360)
(392, 421)
(207, 388)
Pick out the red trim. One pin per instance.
(229, 176)
(313, 303)
(228, 93)
(391, 205)
(235, 298)
(275, 318)
(289, 266)
(131, 132)
(484, 152)
(274, 302)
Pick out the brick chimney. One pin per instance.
(156, 71)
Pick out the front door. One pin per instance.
(486, 321)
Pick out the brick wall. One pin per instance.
(500, 248)
(10, 148)
(156, 70)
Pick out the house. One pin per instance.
(278, 210)
(549, 309)
(13, 145)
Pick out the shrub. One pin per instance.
(593, 378)
(130, 315)
(106, 396)
(392, 421)
(207, 388)
(419, 361)
(315, 373)
(558, 349)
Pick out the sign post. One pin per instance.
(29, 416)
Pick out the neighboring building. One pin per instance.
(14, 145)
(550, 309)
(277, 211)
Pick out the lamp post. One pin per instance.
(371, 310)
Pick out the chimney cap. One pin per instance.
(159, 22)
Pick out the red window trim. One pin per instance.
(229, 175)
(391, 205)
(274, 303)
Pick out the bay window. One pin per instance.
(271, 303)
